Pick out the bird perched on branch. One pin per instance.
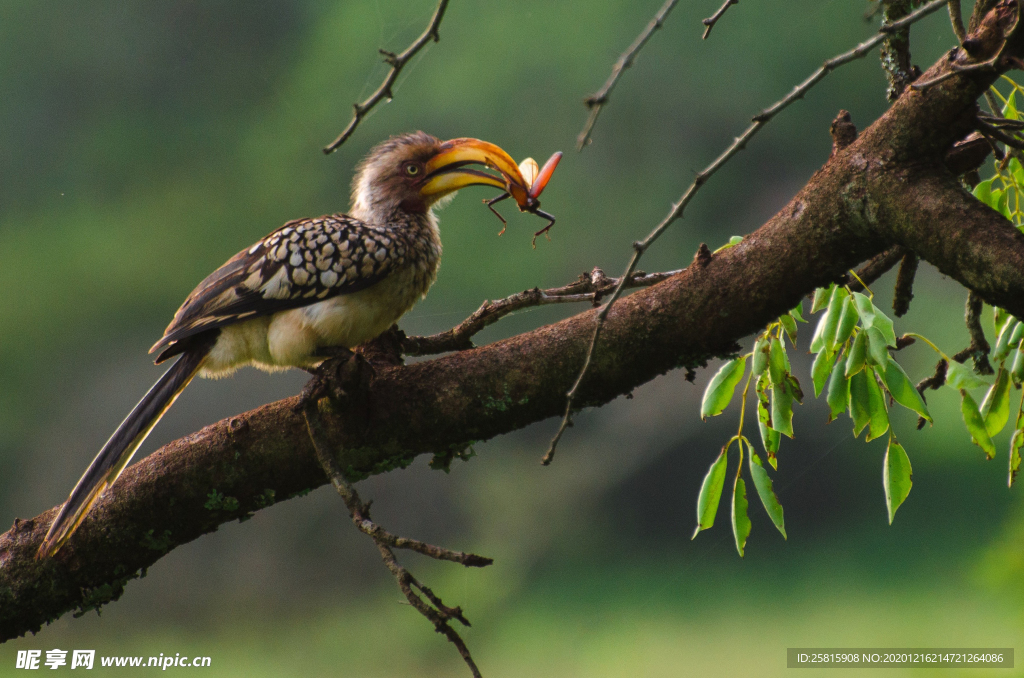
(312, 285)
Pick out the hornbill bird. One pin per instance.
(312, 285)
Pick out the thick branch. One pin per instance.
(887, 187)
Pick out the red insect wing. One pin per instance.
(545, 174)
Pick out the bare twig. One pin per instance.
(397, 63)
(997, 134)
(1001, 122)
(589, 287)
(738, 144)
(956, 18)
(904, 292)
(957, 70)
(979, 348)
(436, 611)
(597, 100)
(934, 382)
(713, 19)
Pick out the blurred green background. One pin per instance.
(145, 143)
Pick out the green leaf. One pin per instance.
(983, 192)
(878, 416)
(763, 485)
(820, 369)
(1016, 442)
(858, 354)
(782, 409)
(902, 389)
(1003, 206)
(847, 321)
(1017, 335)
(794, 388)
(711, 493)
(883, 324)
(975, 424)
(770, 438)
(789, 324)
(1010, 109)
(995, 408)
(872, 316)
(1017, 172)
(722, 386)
(865, 309)
(1017, 371)
(798, 312)
(760, 362)
(897, 476)
(994, 198)
(1000, 316)
(826, 331)
(860, 402)
(1002, 347)
(878, 350)
(740, 519)
(823, 294)
(959, 376)
(838, 393)
(778, 362)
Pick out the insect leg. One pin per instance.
(490, 205)
(551, 222)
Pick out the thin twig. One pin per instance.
(597, 100)
(589, 287)
(956, 69)
(397, 63)
(676, 212)
(436, 611)
(998, 135)
(713, 19)
(1001, 122)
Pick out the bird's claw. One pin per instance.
(341, 375)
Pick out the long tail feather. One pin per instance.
(118, 451)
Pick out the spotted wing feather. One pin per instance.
(301, 263)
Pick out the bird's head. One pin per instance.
(412, 172)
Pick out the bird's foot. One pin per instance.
(342, 374)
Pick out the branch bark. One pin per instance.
(889, 187)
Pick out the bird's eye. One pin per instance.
(412, 170)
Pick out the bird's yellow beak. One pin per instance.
(447, 171)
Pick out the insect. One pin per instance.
(526, 187)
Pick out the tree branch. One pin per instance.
(597, 100)
(589, 287)
(397, 63)
(758, 121)
(888, 187)
(435, 610)
(713, 19)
